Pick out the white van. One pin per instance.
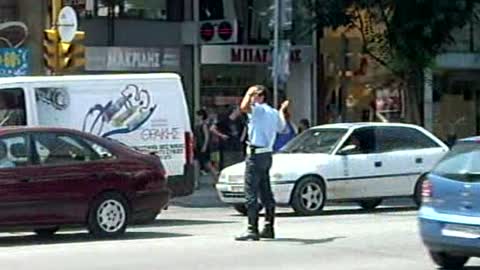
(145, 111)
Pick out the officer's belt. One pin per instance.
(253, 150)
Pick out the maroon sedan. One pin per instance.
(51, 177)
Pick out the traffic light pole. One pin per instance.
(276, 49)
(56, 6)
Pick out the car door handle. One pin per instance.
(378, 164)
(97, 175)
(26, 180)
(419, 160)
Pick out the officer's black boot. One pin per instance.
(250, 234)
(268, 231)
(252, 231)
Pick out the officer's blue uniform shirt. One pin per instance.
(263, 126)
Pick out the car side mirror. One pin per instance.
(347, 150)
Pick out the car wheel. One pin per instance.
(448, 261)
(417, 193)
(109, 215)
(370, 204)
(242, 209)
(46, 232)
(308, 197)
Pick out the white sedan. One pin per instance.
(359, 162)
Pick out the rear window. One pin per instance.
(461, 163)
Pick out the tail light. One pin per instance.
(188, 147)
(427, 191)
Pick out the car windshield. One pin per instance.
(321, 141)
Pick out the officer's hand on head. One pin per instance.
(252, 91)
(284, 105)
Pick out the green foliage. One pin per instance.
(400, 34)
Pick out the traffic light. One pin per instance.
(71, 55)
(50, 49)
(62, 57)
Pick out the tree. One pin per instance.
(405, 36)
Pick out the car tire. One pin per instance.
(308, 197)
(242, 209)
(109, 215)
(417, 193)
(46, 232)
(370, 204)
(448, 261)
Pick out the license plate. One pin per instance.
(238, 189)
(461, 231)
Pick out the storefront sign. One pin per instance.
(256, 55)
(13, 62)
(132, 59)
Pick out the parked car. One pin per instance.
(449, 218)
(53, 177)
(360, 162)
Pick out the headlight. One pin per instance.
(222, 178)
(238, 179)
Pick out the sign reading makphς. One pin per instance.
(132, 59)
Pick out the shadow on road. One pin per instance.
(64, 238)
(467, 268)
(306, 241)
(354, 211)
(182, 222)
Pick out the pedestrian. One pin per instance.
(202, 144)
(221, 129)
(264, 123)
(284, 136)
(303, 125)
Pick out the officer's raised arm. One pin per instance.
(247, 101)
(281, 113)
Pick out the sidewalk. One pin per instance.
(204, 197)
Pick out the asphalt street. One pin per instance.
(344, 237)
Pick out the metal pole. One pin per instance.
(196, 58)
(276, 41)
(344, 89)
(56, 6)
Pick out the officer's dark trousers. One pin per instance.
(257, 183)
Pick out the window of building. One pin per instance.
(135, 9)
(211, 10)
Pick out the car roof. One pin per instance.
(19, 129)
(365, 124)
(471, 139)
(34, 79)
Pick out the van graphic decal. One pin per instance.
(58, 98)
(124, 115)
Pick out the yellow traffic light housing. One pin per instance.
(71, 55)
(61, 57)
(50, 49)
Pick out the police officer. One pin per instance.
(264, 123)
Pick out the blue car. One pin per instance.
(449, 217)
